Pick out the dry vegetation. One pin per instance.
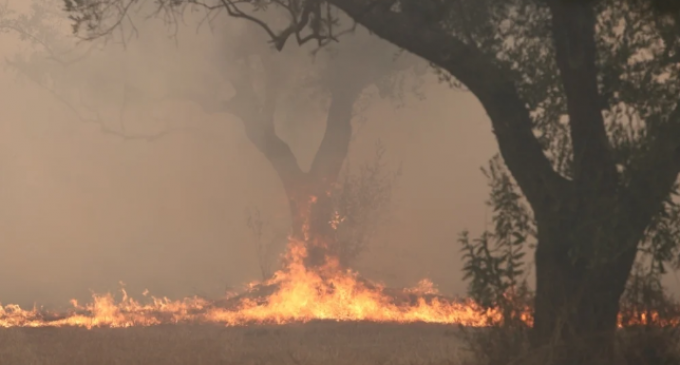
(322, 343)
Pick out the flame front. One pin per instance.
(297, 294)
(332, 293)
(300, 295)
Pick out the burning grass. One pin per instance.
(294, 294)
(321, 315)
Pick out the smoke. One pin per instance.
(85, 206)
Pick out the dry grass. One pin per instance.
(320, 343)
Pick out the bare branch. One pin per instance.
(300, 20)
(234, 11)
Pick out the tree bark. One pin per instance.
(584, 257)
(575, 328)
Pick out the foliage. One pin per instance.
(631, 121)
(661, 245)
(650, 315)
(529, 60)
(645, 301)
(494, 262)
(495, 268)
(493, 272)
(646, 307)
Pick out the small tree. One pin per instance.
(494, 262)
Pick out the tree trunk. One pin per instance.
(308, 193)
(582, 265)
(311, 211)
(300, 197)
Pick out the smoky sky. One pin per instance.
(81, 209)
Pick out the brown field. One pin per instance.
(318, 343)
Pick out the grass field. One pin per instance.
(318, 343)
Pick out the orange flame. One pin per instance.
(297, 294)
(300, 295)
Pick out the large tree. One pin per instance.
(606, 71)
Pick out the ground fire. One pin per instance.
(295, 293)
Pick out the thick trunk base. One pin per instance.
(581, 275)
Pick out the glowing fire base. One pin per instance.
(296, 295)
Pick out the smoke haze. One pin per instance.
(82, 209)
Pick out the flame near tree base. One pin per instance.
(294, 294)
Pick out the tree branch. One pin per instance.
(334, 147)
(510, 118)
(300, 18)
(573, 32)
(19, 27)
(260, 130)
(257, 115)
(653, 175)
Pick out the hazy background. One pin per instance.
(82, 210)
